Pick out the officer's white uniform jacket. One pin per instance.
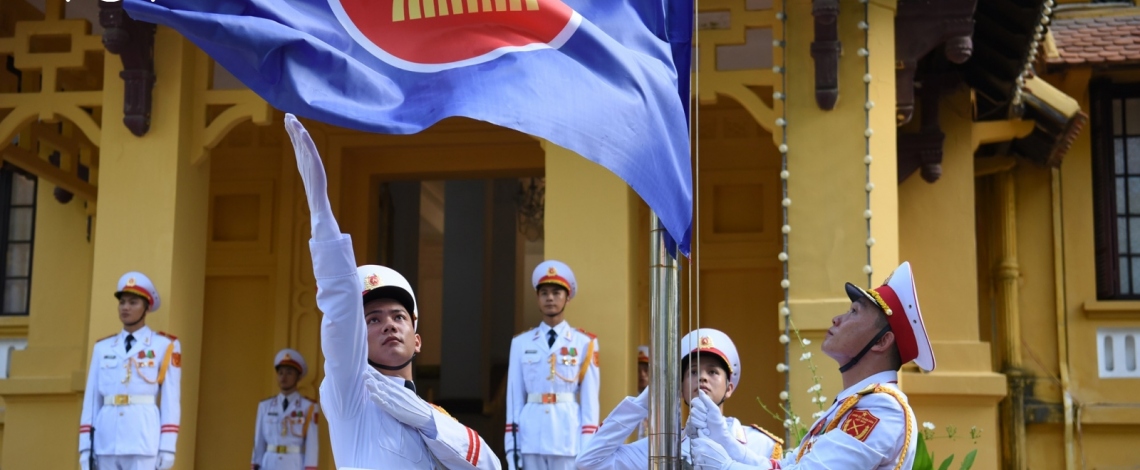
(362, 434)
(608, 450)
(146, 381)
(567, 373)
(286, 440)
(872, 435)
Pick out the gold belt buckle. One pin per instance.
(121, 400)
(549, 398)
(282, 449)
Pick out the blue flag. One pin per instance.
(597, 77)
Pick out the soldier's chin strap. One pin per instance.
(866, 348)
(399, 367)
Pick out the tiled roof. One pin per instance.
(1096, 41)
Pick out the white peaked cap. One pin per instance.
(290, 357)
(557, 273)
(138, 284)
(899, 300)
(708, 340)
(382, 282)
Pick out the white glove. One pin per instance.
(401, 403)
(706, 416)
(85, 460)
(708, 455)
(313, 176)
(165, 460)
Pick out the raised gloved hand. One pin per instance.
(708, 455)
(312, 172)
(707, 417)
(165, 460)
(401, 403)
(85, 460)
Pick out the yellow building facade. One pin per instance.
(208, 204)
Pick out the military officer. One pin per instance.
(710, 372)
(642, 382)
(553, 380)
(285, 437)
(870, 425)
(368, 336)
(131, 406)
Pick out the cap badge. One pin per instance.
(706, 342)
(287, 358)
(372, 282)
(130, 282)
(552, 271)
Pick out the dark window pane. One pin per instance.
(23, 190)
(21, 219)
(1132, 116)
(1116, 109)
(1125, 284)
(16, 296)
(19, 260)
(1122, 235)
(1135, 278)
(1121, 209)
(1118, 154)
(1133, 155)
(1134, 235)
(1134, 195)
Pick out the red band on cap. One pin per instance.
(900, 325)
(718, 353)
(291, 363)
(556, 280)
(139, 291)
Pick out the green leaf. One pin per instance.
(922, 458)
(946, 463)
(969, 460)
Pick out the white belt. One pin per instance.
(123, 400)
(551, 398)
(284, 449)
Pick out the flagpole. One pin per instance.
(664, 403)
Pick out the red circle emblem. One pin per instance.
(433, 35)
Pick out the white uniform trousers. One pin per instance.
(127, 462)
(275, 461)
(547, 462)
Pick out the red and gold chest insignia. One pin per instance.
(859, 424)
(176, 359)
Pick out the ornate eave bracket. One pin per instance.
(922, 151)
(133, 42)
(920, 26)
(825, 50)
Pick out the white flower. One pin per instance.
(823, 398)
(928, 425)
(806, 356)
(807, 341)
(784, 339)
(818, 414)
(783, 396)
(815, 388)
(781, 367)
(787, 423)
(814, 399)
(797, 420)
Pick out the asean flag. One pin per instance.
(599, 77)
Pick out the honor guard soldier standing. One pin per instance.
(710, 372)
(553, 380)
(870, 425)
(131, 403)
(285, 437)
(642, 383)
(368, 336)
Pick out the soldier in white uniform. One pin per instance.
(870, 425)
(368, 336)
(642, 383)
(131, 403)
(553, 380)
(710, 372)
(285, 437)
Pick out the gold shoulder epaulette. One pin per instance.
(168, 335)
(779, 440)
(442, 411)
(587, 333)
